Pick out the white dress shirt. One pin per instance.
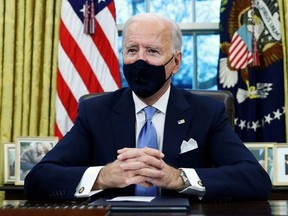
(86, 183)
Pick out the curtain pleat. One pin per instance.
(29, 32)
(283, 5)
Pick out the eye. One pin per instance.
(132, 50)
(153, 51)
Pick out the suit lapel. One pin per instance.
(178, 118)
(123, 121)
(177, 122)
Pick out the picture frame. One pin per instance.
(270, 162)
(28, 152)
(263, 152)
(9, 163)
(281, 164)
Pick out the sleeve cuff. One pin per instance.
(86, 183)
(196, 187)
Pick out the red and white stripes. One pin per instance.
(86, 62)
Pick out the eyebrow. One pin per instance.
(130, 46)
(153, 47)
(149, 46)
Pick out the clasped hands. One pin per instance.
(143, 166)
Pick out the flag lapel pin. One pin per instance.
(181, 121)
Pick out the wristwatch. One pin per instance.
(185, 179)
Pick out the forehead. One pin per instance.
(148, 31)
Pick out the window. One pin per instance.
(198, 20)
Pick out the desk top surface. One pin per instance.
(270, 207)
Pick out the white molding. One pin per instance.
(190, 26)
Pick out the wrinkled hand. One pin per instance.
(111, 176)
(144, 163)
(170, 180)
(139, 166)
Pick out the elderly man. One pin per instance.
(187, 149)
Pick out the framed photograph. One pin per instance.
(30, 151)
(9, 163)
(262, 152)
(270, 162)
(281, 164)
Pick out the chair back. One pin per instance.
(221, 95)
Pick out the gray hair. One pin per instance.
(176, 34)
(45, 145)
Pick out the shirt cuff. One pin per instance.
(87, 181)
(196, 188)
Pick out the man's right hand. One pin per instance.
(133, 166)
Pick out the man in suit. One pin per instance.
(198, 153)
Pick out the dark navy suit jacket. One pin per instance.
(107, 123)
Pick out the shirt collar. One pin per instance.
(160, 105)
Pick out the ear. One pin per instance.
(177, 60)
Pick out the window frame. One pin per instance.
(194, 29)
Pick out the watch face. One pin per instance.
(185, 179)
(182, 174)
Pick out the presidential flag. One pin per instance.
(251, 67)
(87, 56)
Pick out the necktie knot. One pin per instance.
(149, 112)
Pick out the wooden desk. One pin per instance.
(28, 208)
(13, 192)
(279, 193)
(263, 208)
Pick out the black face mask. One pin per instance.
(145, 79)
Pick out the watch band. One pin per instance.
(185, 179)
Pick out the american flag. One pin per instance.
(256, 77)
(240, 52)
(87, 56)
